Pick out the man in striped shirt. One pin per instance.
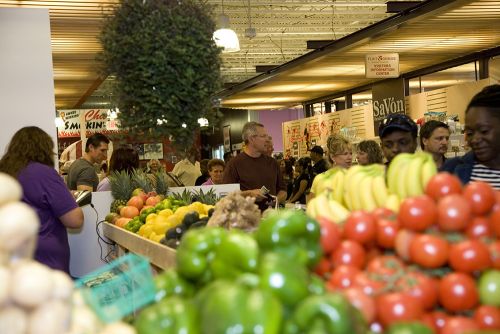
(482, 132)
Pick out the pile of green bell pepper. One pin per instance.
(235, 282)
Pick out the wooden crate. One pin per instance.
(159, 255)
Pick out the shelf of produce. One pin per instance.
(159, 255)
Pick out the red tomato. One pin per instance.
(360, 227)
(383, 213)
(343, 277)
(393, 307)
(369, 285)
(330, 235)
(323, 267)
(385, 266)
(478, 228)
(443, 184)
(435, 320)
(386, 232)
(487, 317)
(459, 325)
(364, 303)
(420, 287)
(454, 213)
(349, 253)
(417, 213)
(481, 197)
(402, 244)
(376, 327)
(495, 222)
(494, 249)
(429, 251)
(469, 255)
(458, 292)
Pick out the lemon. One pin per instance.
(157, 238)
(151, 217)
(182, 211)
(174, 220)
(166, 212)
(161, 228)
(198, 207)
(148, 229)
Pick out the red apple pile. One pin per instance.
(436, 261)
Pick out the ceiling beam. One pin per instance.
(400, 6)
(89, 92)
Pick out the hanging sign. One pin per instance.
(388, 97)
(384, 65)
(94, 120)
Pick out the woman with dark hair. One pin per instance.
(30, 159)
(369, 152)
(302, 181)
(482, 130)
(124, 158)
(286, 169)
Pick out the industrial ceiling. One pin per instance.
(282, 28)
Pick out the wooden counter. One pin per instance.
(159, 255)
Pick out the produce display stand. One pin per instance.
(159, 256)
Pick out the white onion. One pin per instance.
(32, 283)
(83, 320)
(4, 285)
(10, 189)
(63, 285)
(13, 320)
(118, 328)
(18, 225)
(52, 317)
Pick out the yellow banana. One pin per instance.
(394, 171)
(402, 179)
(311, 208)
(355, 190)
(368, 202)
(429, 169)
(339, 212)
(393, 202)
(413, 177)
(379, 190)
(351, 172)
(338, 186)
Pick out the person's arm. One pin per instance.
(281, 197)
(73, 218)
(298, 194)
(254, 193)
(84, 187)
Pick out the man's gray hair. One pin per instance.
(250, 129)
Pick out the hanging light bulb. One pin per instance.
(224, 37)
(203, 122)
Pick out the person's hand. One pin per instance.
(255, 193)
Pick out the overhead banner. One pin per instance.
(95, 120)
(388, 98)
(380, 66)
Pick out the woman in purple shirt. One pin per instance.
(30, 159)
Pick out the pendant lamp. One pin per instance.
(224, 37)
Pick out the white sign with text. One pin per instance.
(384, 65)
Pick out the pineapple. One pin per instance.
(161, 183)
(121, 189)
(142, 181)
(184, 197)
(210, 197)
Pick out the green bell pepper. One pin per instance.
(208, 253)
(329, 313)
(169, 283)
(172, 315)
(289, 282)
(293, 234)
(409, 328)
(233, 307)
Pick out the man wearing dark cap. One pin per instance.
(320, 165)
(398, 134)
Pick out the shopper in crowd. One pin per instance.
(286, 170)
(188, 169)
(253, 169)
(319, 164)
(339, 151)
(124, 158)
(153, 166)
(482, 133)
(30, 159)
(434, 138)
(369, 152)
(82, 174)
(216, 172)
(302, 181)
(398, 134)
(204, 173)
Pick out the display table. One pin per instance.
(158, 255)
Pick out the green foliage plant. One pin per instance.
(166, 67)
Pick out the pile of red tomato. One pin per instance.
(437, 261)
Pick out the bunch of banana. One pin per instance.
(408, 174)
(324, 206)
(329, 180)
(365, 188)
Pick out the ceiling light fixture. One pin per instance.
(224, 37)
